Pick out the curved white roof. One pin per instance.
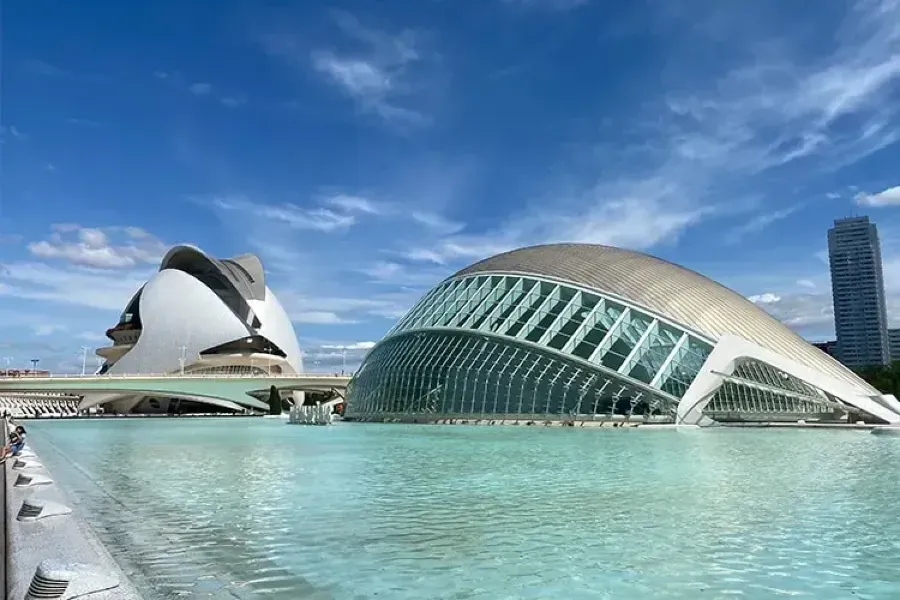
(669, 290)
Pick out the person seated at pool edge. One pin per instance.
(16, 443)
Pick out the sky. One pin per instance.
(366, 151)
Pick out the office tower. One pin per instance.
(894, 343)
(857, 288)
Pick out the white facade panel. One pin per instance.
(277, 327)
(180, 317)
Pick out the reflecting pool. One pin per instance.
(254, 508)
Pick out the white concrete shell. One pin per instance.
(196, 313)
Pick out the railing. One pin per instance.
(178, 375)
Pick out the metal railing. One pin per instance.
(178, 375)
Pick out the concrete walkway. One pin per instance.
(3, 515)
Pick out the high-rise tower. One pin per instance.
(857, 288)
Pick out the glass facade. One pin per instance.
(759, 392)
(516, 345)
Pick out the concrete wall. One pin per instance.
(65, 538)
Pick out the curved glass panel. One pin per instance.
(579, 323)
(447, 374)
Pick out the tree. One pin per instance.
(274, 401)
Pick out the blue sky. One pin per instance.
(367, 150)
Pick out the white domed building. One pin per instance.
(586, 331)
(199, 314)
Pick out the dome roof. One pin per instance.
(671, 291)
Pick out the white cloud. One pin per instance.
(45, 329)
(886, 197)
(95, 247)
(359, 78)
(775, 110)
(650, 216)
(200, 88)
(102, 289)
(438, 223)
(352, 204)
(318, 318)
(380, 76)
(551, 5)
(233, 101)
(351, 346)
(764, 298)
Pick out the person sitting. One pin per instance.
(16, 444)
(17, 440)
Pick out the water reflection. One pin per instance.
(254, 508)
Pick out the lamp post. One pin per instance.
(8, 360)
(84, 350)
(343, 360)
(183, 358)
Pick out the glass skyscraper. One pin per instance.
(857, 288)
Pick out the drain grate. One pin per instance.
(33, 509)
(43, 587)
(30, 510)
(54, 579)
(30, 480)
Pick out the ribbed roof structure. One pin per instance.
(671, 291)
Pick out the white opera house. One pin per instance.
(198, 315)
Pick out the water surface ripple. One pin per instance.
(253, 508)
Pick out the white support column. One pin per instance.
(565, 313)
(471, 302)
(637, 352)
(524, 304)
(499, 294)
(591, 319)
(536, 315)
(657, 378)
(613, 332)
(459, 298)
(516, 292)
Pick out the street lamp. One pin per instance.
(183, 358)
(8, 360)
(343, 360)
(84, 350)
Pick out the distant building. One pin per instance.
(829, 347)
(894, 343)
(25, 373)
(857, 287)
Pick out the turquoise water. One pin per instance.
(253, 508)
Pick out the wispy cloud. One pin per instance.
(760, 222)
(547, 5)
(200, 89)
(775, 111)
(354, 204)
(380, 76)
(317, 218)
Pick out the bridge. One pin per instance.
(227, 390)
